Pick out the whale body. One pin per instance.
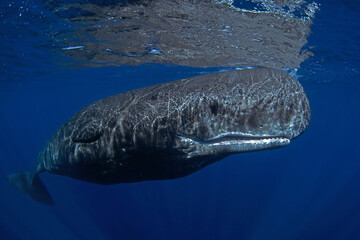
(172, 129)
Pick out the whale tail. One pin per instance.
(30, 183)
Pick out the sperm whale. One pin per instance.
(172, 129)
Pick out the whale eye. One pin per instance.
(87, 137)
(87, 132)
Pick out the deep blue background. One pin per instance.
(307, 190)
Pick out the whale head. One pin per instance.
(244, 110)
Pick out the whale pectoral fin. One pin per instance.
(30, 183)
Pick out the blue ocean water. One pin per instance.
(307, 190)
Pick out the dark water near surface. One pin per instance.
(307, 190)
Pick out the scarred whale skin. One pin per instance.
(173, 129)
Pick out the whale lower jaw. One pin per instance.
(228, 144)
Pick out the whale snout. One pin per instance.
(282, 109)
(297, 114)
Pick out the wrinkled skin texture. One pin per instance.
(147, 133)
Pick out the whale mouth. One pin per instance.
(229, 143)
(234, 137)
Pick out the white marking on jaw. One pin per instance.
(265, 141)
(196, 148)
(234, 134)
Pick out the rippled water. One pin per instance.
(307, 190)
